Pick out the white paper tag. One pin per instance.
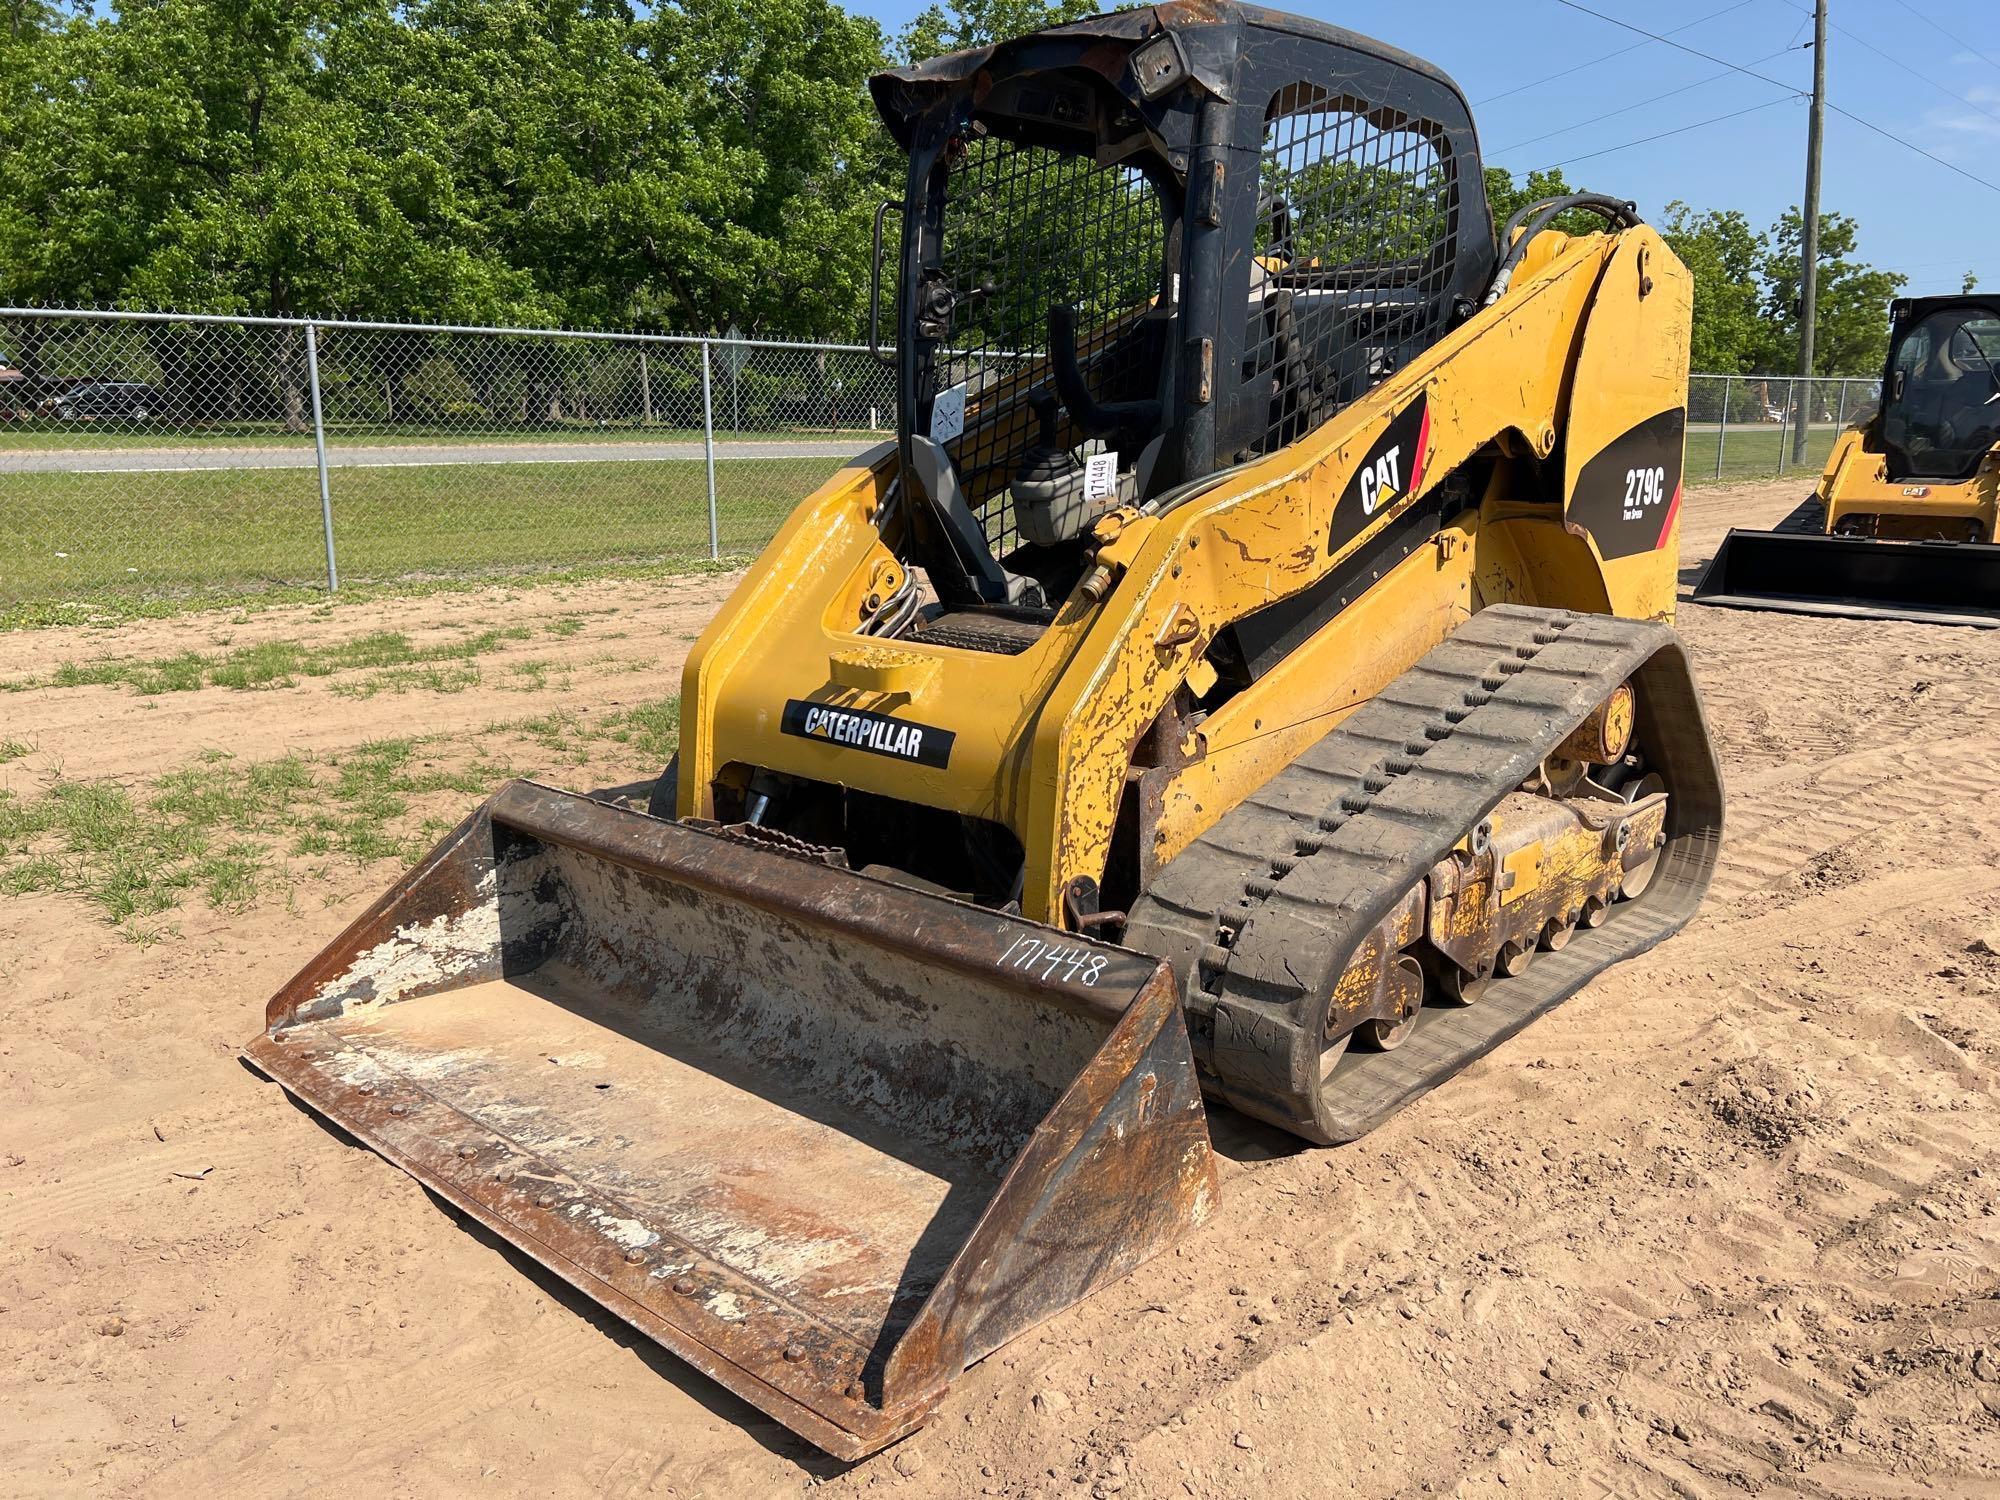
(948, 414)
(1100, 475)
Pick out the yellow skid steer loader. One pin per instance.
(1902, 524)
(1245, 678)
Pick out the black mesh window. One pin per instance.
(1944, 408)
(1358, 216)
(1026, 227)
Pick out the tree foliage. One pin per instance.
(959, 24)
(1746, 283)
(1851, 329)
(693, 163)
(1726, 258)
(538, 160)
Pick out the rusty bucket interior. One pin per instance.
(827, 1138)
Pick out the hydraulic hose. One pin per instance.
(1621, 213)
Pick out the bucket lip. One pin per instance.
(1936, 560)
(937, 928)
(787, 1362)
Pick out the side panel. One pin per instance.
(824, 540)
(1625, 441)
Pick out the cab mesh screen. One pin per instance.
(1358, 216)
(1024, 228)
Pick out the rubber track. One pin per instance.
(1261, 913)
(1808, 517)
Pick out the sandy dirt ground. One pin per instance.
(1728, 1221)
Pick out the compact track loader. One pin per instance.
(1902, 524)
(1246, 677)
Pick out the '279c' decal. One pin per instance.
(1628, 494)
(1392, 471)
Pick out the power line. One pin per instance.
(1593, 62)
(1844, 113)
(1684, 47)
(1954, 36)
(1664, 134)
(1628, 108)
(1916, 73)
(1913, 146)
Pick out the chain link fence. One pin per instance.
(1749, 427)
(158, 453)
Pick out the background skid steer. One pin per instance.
(1902, 525)
(1300, 554)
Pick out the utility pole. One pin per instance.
(1809, 237)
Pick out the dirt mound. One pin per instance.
(1767, 1103)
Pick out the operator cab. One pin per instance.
(1140, 249)
(1941, 412)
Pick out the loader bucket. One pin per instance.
(1944, 583)
(827, 1138)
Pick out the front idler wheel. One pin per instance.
(1639, 876)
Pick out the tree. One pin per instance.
(778, 92)
(202, 156)
(692, 165)
(1724, 257)
(1505, 198)
(959, 24)
(1851, 336)
(468, 160)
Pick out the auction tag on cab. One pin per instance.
(1100, 475)
(948, 414)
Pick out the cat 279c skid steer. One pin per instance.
(1903, 524)
(1246, 676)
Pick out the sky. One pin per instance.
(1927, 71)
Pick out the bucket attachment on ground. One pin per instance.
(1944, 583)
(827, 1138)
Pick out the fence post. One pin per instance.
(1722, 427)
(319, 456)
(1785, 423)
(708, 441)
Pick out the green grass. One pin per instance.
(652, 729)
(106, 610)
(14, 750)
(219, 830)
(109, 542)
(104, 548)
(43, 435)
(1750, 454)
(281, 663)
(455, 677)
(229, 832)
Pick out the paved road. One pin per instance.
(169, 460)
